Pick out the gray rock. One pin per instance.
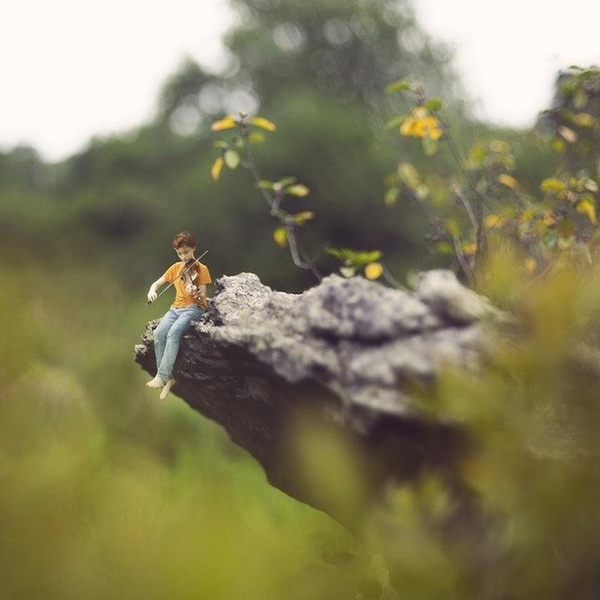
(353, 352)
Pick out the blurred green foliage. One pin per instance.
(488, 205)
(107, 493)
(317, 69)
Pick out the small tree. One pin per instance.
(489, 207)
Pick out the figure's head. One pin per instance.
(184, 244)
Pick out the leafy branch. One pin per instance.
(491, 207)
(237, 152)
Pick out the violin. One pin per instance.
(188, 265)
(190, 273)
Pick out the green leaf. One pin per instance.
(348, 272)
(256, 137)
(500, 146)
(354, 257)
(453, 227)
(232, 159)
(221, 145)
(477, 156)
(421, 191)
(399, 86)
(434, 104)
(580, 99)
(264, 184)
(395, 122)
(283, 183)
(444, 248)
(430, 146)
(364, 258)
(408, 174)
(391, 196)
(566, 229)
(334, 252)
(391, 179)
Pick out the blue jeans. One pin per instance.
(167, 337)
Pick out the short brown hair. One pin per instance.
(184, 238)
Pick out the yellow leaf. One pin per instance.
(263, 123)
(586, 207)
(469, 249)
(433, 128)
(584, 120)
(215, 170)
(549, 218)
(508, 181)
(412, 125)
(256, 137)
(303, 216)
(552, 185)
(527, 216)
(227, 122)
(530, 265)
(373, 270)
(280, 237)
(500, 146)
(299, 190)
(453, 227)
(408, 174)
(420, 123)
(492, 221)
(407, 126)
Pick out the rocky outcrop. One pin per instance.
(355, 355)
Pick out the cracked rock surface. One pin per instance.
(350, 351)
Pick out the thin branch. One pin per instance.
(297, 253)
(462, 260)
(467, 205)
(392, 280)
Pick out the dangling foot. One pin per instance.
(157, 382)
(167, 388)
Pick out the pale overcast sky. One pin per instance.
(71, 69)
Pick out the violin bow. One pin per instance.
(180, 275)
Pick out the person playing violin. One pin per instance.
(190, 278)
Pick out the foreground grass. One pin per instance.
(108, 493)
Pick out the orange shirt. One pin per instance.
(182, 298)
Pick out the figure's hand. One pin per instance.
(152, 295)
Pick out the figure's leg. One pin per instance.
(160, 339)
(171, 348)
(167, 388)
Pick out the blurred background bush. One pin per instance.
(107, 493)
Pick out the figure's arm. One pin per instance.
(152, 292)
